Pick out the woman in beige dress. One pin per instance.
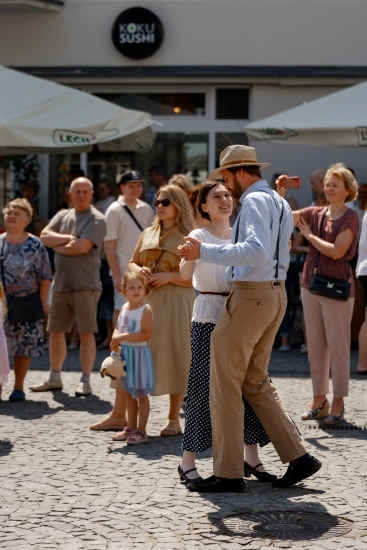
(171, 297)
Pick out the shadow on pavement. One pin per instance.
(156, 448)
(32, 410)
(6, 447)
(27, 410)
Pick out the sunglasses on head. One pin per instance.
(163, 202)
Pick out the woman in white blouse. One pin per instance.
(215, 204)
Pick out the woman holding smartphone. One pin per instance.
(332, 234)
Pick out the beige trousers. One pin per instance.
(328, 340)
(241, 346)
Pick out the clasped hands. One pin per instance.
(190, 250)
(155, 279)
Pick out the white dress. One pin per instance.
(4, 359)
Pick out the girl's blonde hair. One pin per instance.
(134, 274)
(346, 176)
(21, 204)
(184, 218)
(3, 299)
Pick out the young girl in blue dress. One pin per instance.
(132, 332)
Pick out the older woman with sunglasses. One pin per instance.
(171, 297)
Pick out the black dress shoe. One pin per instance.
(183, 476)
(261, 476)
(296, 474)
(215, 484)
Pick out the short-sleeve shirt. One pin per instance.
(79, 272)
(26, 265)
(337, 269)
(122, 228)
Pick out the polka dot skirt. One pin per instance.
(198, 432)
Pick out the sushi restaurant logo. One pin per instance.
(137, 33)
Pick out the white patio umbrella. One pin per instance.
(38, 116)
(338, 119)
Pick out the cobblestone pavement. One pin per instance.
(66, 487)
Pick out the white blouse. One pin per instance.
(208, 278)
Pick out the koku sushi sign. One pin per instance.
(137, 33)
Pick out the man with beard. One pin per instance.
(242, 341)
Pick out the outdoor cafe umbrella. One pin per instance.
(338, 119)
(39, 116)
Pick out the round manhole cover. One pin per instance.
(283, 525)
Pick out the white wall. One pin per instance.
(197, 32)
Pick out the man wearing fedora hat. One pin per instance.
(241, 344)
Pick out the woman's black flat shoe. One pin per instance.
(183, 476)
(264, 477)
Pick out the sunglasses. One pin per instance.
(163, 202)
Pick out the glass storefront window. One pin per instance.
(160, 104)
(185, 153)
(232, 103)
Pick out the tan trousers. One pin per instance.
(328, 341)
(241, 346)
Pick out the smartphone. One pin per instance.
(293, 182)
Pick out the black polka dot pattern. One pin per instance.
(198, 432)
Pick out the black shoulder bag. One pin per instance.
(21, 309)
(326, 286)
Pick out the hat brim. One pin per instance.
(217, 173)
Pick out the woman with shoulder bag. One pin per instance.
(171, 297)
(26, 276)
(328, 290)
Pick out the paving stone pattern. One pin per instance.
(66, 487)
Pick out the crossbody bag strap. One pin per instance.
(318, 256)
(132, 216)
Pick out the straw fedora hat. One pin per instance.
(235, 156)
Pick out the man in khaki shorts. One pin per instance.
(76, 235)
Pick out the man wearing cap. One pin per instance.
(126, 218)
(241, 344)
(76, 235)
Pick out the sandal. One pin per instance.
(137, 437)
(332, 419)
(172, 426)
(122, 436)
(320, 412)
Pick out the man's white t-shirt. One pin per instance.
(122, 228)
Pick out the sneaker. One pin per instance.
(83, 388)
(303, 349)
(47, 386)
(284, 348)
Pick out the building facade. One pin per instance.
(202, 68)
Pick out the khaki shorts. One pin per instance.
(71, 306)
